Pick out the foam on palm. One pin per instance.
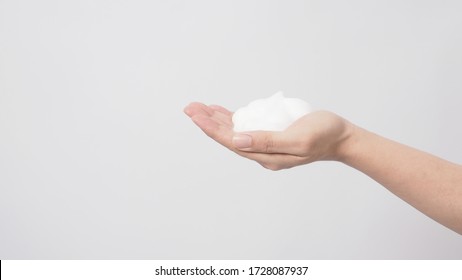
(274, 113)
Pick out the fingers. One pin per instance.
(216, 124)
(268, 142)
(197, 108)
(223, 118)
(272, 150)
(207, 125)
(221, 109)
(216, 112)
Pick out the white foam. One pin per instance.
(274, 113)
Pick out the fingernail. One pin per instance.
(242, 141)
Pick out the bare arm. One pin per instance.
(430, 184)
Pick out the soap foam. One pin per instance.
(274, 113)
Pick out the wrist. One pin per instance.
(347, 140)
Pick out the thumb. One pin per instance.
(259, 142)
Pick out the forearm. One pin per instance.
(430, 184)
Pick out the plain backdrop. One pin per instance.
(97, 159)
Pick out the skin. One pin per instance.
(428, 183)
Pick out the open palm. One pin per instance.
(315, 136)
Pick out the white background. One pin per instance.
(97, 159)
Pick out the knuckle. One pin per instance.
(268, 144)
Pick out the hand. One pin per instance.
(316, 136)
(407, 172)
